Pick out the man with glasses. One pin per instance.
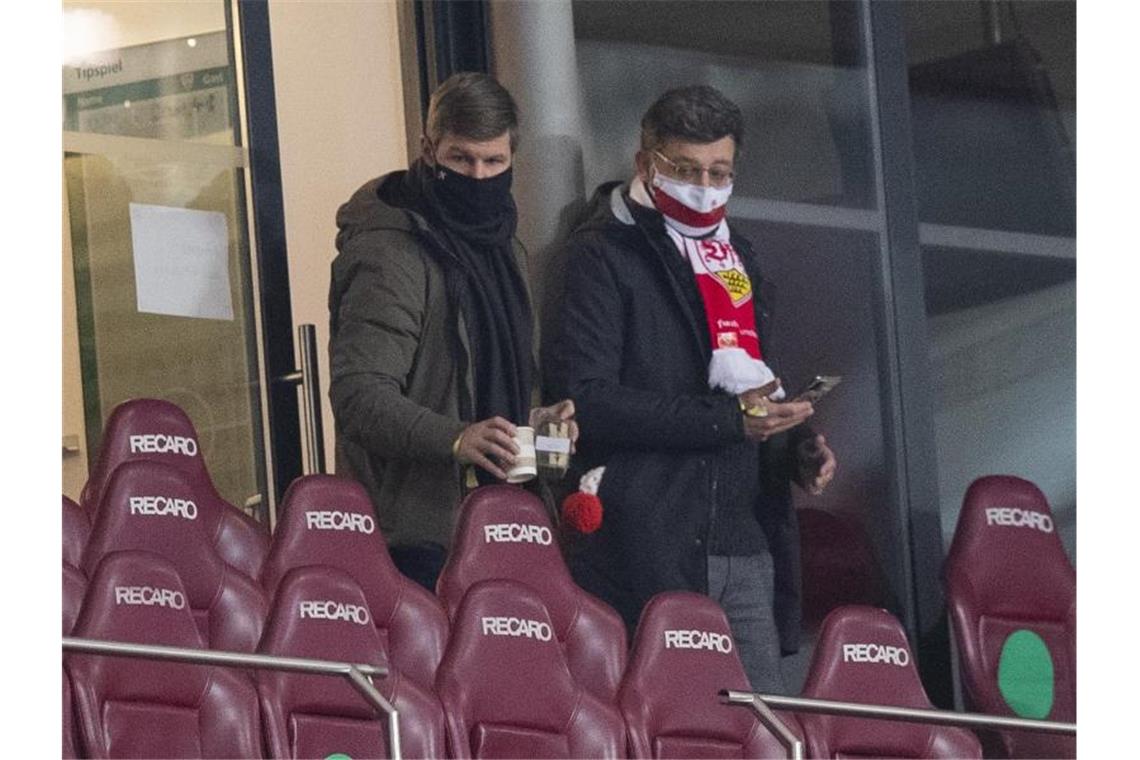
(663, 348)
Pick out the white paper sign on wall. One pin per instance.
(181, 262)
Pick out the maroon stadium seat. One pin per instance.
(74, 587)
(862, 656)
(504, 532)
(325, 520)
(70, 745)
(683, 655)
(321, 612)
(151, 506)
(76, 529)
(506, 689)
(134, 708)
(1007, 572)
(159, 431)
(838, 565)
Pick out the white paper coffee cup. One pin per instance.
(525, 466)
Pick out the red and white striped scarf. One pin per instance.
(737, 363)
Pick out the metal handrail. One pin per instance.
(771, 721)
(763, 704)
(357, 674)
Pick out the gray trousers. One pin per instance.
(742, 586)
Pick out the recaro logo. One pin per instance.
(332, 519)
(159, 443)
(518, 627)
(164, 506)
(149, 596)
(517, 533)
(876, 653)
(709, 640)
(1019, 518)
(329, 610)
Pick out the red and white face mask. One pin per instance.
(692, 210)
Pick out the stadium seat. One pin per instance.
(838, 565)
(74, 587)
(159, 431)
(134, 708)
(76, 529)
(504, 532)
(70, 745)
(683, 655)
(506, 689)
(862, 656)
(151, 506)
(1011, 595)
(322, 613)
(325, 520)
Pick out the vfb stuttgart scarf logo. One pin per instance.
(721, 260)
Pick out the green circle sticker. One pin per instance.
(1025, 675)
(338, 756)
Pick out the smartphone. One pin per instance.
(819, 387)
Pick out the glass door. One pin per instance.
(155, 173)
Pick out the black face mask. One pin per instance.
(470, 200)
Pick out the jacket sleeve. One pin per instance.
(378, 301)
(586, 362)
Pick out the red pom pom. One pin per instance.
(582, 512)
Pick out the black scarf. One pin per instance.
(475, 225)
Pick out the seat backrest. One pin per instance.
(76, 529)
(321, 612)
(506, 689)
(1011, 595)
(862, 655)
(503, 532)
(146, 708)
(838, 565)
(150, 506)
(70, 745)
(683, 655)
(74, 587)
(326, 520)
(158, 431)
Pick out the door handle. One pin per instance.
(308, 377)
(71, 445)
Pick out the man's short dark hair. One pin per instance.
(474, 106)
(697, 114)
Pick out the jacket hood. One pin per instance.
(377, 205)
(606, 207)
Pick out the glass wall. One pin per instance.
(993, 102)
(907, 178)
(993, 109)
(155, 182)
(793, 68)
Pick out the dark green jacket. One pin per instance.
(395, 386)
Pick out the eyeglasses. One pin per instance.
(691, 173)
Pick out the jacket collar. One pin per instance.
(618, 204)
